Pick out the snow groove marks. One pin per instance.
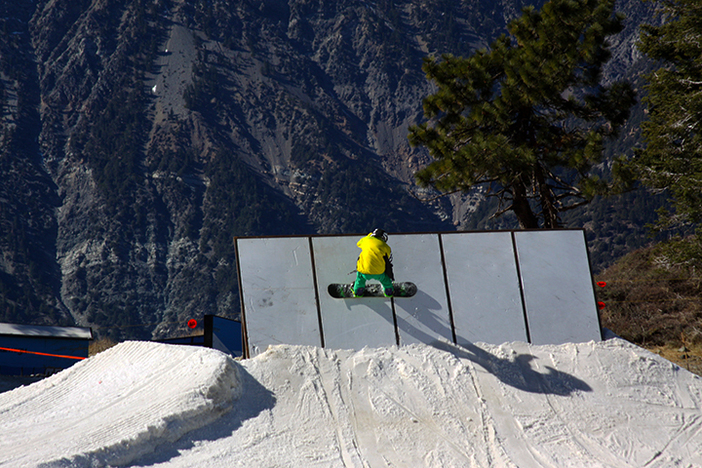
(605, 404)
(116, 406)
(417, 403)
(309, 424)
(408, 406)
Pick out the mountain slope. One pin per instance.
(166, 128)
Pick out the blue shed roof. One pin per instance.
(44, 331)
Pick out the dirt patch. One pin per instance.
(687, 358)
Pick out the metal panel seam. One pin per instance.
(521, 285)
(448, 292)
(394, 321)
(244, 333)
(316, 292)
(594, 294)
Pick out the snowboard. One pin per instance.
(345, 291)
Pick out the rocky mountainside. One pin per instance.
(139, 137)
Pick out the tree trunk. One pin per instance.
(520, 206)
(547, 200)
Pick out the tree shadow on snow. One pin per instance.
(254, 400)
(518, 371)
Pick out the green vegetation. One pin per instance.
(214, 19)
(362, 194)
(180, 161)
(356, 193)
(653, 297)
(29, 274)
(394, 48)
(203, 93)
(527, 119)
(3, 99)
(238, 204)
(164, 191)
(115, 149)
(672, 157)
(617, 225)
(113, 142)
(437, 21)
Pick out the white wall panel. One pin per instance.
(278, 292)
(484, 287)
(423, 318)
(558, 290)
(349, 323)
(486, 295)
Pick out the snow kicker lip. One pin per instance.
(118, 405)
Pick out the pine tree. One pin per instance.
(672, 157)
(527, 118)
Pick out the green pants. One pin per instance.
(361, 279)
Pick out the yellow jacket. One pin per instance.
(371, 261)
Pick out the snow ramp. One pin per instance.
(604, 404)
(116, 406)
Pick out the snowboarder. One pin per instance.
(374, 263)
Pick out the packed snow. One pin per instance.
(595, 404)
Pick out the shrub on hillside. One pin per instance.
(652, 295)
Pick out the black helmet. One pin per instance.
(379, 233)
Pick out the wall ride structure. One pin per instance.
(489, 286)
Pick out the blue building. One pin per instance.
(33, 349)
(220, 333)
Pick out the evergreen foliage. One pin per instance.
(356, 193)
(239, 204)
(115, 148)
(29, 274)
(672, 157)
(127, 188)
(205, 88)
(528, 118)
